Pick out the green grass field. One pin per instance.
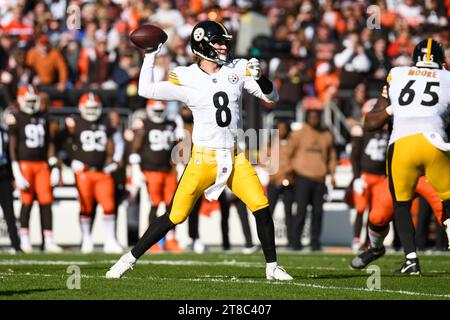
(217, 276)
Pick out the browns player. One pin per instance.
(92, 163)
(382, 213)
(154, 138)
(369, 168)
(34, 164)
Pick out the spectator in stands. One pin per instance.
(281, 183)
(380, 65)
(17, 24)
(48, 62)
(411, 11)
(352, 61)
(313, 157)
(351, 108)
(324, 45)
(96, 64)
(124, 74)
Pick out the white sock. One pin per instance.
(110, 227)
(376, 239)
(271, 265)
(170, 235)
(130, 257)
(411, 255)
(86, 228)
(48, 236)
(24, 235)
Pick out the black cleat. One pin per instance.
(363, 259)
(410, 267)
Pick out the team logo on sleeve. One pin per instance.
(199, 33)
(233, 78)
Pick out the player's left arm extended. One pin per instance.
(379, 115)
(262, 88)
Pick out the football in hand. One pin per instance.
(148, 36)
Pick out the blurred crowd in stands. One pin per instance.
(337, 51)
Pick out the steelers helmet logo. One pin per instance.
(233, 78)
(199, 33)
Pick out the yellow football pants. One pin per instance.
(411, 157)
(200, 174)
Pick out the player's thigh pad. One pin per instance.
(245, 184)
(200, 173)
(85, 186)
(155, 185)
(42, 184)
(405, 164)
(104, 192)
(426, 190)
(382, 208)
(27, 170)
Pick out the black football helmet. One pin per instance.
(429, 53)
(204, 35)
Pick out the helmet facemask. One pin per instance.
(91, 109)
(29, 103)
(157, 113)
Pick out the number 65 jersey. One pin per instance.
(215, 99)
(420, 99)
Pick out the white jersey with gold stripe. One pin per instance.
(215, 99)
(420, 98)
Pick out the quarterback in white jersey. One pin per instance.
(418, 99)
(212, 88)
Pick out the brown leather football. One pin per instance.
(148, 36)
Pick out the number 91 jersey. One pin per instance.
(32, 134)
(419, 98)
(90, 140)
(215, 101)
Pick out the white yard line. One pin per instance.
(226, 279)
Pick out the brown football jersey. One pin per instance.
(369, 152)
(32, 132)
(90, 140)
(158, 143)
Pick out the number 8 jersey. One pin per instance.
(215, 99)
(420, 99)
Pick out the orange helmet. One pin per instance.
(156, 111)
(90, 106)
(29, 100)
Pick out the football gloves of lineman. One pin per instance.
(21, 182)
(359, 185)
(254, 67)
(54, 171)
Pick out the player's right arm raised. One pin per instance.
(163, 90)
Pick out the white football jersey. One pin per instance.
(215, 99)
(419, 98)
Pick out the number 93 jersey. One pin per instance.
(215, 100)
(90, 140)
(32, 134)
(420, 99)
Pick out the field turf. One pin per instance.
(230, 276)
